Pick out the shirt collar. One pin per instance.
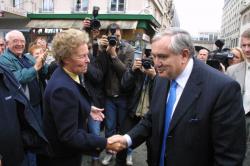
(247, 65)
(74, 76)
(183, 77)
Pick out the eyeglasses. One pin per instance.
(18, 41)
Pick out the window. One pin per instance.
(117, 6)
(48, 5)
(82, 5)
(17, 3)
(244, 19)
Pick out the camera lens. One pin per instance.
(147, 63)
(112, 40)
(95, 24)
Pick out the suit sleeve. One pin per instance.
(65, 113)
(228, 127)
(141, 131)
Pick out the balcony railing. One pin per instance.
(79, 9)
(46, 10)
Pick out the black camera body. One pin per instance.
(219, 56)
(147, 62)
(112, 39)
(95, 24)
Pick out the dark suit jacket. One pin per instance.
(66, 109)
(207, 127)
(19, 128)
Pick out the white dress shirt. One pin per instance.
(246, 93)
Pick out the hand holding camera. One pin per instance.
(94, 23)
(103, 41)
(111, 50)
(151, 72)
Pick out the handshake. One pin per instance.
(116, 143)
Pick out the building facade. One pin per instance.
(47, 17)
(206, 39)
(232, 20)
(245, 16)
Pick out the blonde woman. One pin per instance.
(238, 56)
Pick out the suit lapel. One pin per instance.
(190, 93)
(240, 73)
(162, 102)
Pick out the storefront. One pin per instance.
(132, 25)
(13, 18)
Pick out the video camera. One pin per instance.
(219, 56)
(112, 39)
(94, 22)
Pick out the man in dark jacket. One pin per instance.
(196, 114)
(139, 81)
(19, 129)
(118, 58)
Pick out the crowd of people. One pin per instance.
(56, 101)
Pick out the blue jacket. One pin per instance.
(23, 75)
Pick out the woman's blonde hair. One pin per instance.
(66, 42)
(238, 49)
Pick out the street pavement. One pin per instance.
(139, 157)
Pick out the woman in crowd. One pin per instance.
(238, 56)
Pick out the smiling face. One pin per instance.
(16, 42)
(167, 63)
(78, 62)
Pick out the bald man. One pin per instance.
(27, 70)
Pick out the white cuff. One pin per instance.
(128, 139)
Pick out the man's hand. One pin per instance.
(137, 64)
(112, 51)
(39, 63)
(151, 72)
(116, 143)
(103, 41)
(96, 113)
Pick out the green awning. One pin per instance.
(60, 24)
(109, 17)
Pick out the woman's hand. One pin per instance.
(96, 113)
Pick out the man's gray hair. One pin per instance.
(12, 33)
(246, 33)
(180, 39)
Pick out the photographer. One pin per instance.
(139, 81)
(93, 78)
(219, 59)
(119, 56)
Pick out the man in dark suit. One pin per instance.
(206, 126)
